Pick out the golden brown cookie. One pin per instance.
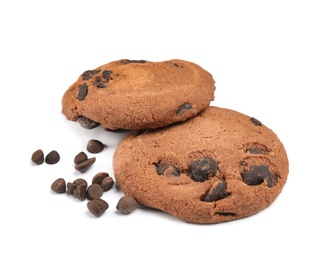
(138, 94)
(219, 166)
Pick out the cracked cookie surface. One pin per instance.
(219, 166)
(138, 94)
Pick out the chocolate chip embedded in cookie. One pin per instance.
(219, 166)
(138, 94)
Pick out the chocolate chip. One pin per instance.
(185, 106)
(83, 91)
(167, 170)
(38, 157)
(80, 157)
(126, 204)
(89, 73)
(202, 169)
(255, 121)
(107, 183)
(99, 177)
(59, 186)
(97, 207)
(135, 61)
(106, 74)
(101, 85)
(80, 192)
(70, 188)
(87, 123)
(94, 191)
(53, 157)
(80, 181)
(216, 192)
(85, 165)
(104, 180)
(226, 214)
(257, 174)
(95, 146)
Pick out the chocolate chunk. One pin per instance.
(106, 74)
(101, 85)
(52, 157)
(94, 191)
(126, 204)
(38, 157)
(97, 207)
(95, 146)
(87, 123)
(59, 186)
(216, 192)
(88, 74)
(255, 121)
(80, 157)
(83, 91)
(185, 106)
(167, 170)
(257, 174)
(85, 165)
(202, 169)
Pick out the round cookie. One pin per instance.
(138, 94)
(219, 166)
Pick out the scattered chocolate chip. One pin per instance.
(52, 157)
(104, 180)
(94, 191)
(167, 170)
(202, 169)
(216, 192)
(101, 85)
(95, 146)
(38, 157)
(80, 157)
(85, 165)
(255, 121)
(97, 207)
(99, 177)
(257, 174)
(87, 123)
(80, 181)
(126, 204)
(107, 183)
(83, 91)
(80, 192)
(58, 186)
(106, 74)
(185, 106)
(89, 73)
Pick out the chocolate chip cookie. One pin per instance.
(138, 94)
(219, 166)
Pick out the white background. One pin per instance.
(270, 60)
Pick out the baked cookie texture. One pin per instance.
(138, 94)
(219, 166)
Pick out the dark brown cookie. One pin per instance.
(138, 94)
(218, 166)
